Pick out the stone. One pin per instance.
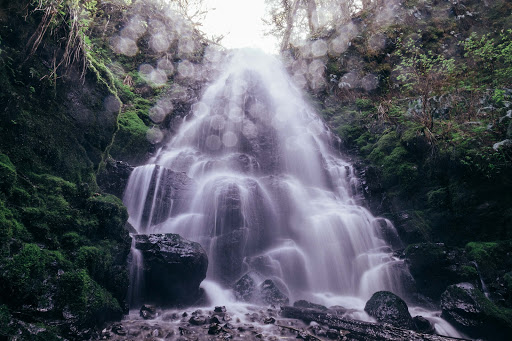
(214, 329)
(309, 305)
(173, 268)
(147, 312)
(387, 307)
(245, 288)
(269, 320)
(271, 294)
(422, 325)
(197, 320)
(469, 310)
(114, 177)
(220, 309)
(214, 319)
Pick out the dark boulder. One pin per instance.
(114, 177)
(197, 320)
(309, 305)
(387, 307)
(422, 325)
(147, 312)
(173, 268)
(271, 294)
(245, 288)
(469, 310)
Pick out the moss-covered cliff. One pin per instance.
(71, 103)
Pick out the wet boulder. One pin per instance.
(147, 312)
(469, 310)
(245, 288)
(173, 268)
(387, 307)
(422, 325)
(271, 294)
(309, 305)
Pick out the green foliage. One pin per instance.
(7, 174)
(30, 273)
(5, 318)
(437, 198)
(112, 216)
(482, 252)
(86, 297)
(493, 55)
(364, 103)
(468, 273)
(421, 71)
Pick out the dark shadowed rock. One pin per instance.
(173, 268)
(387, 307)
(245, 288)
(197, 320)
(114, 177)
(309, 305)
(422, 325)
(147, 312)
(270, 293)
(469, 310)
(435, 266)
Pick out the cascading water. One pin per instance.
(267, 194)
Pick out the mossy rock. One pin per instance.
(7, 175)
(468, 309)
(483, 253)
(30, 277)
(131, 144)
(87, 300)
(9, 228)
(111, 214)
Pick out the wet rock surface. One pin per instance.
(249, 322)
(244, 288)
(175, 261)
(468, 309)
(271, 294)
(387, 307)
(114, 178)
(357, 330)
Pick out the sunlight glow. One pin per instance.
(240, 22)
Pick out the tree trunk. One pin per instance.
(312, 16)
(290, 18)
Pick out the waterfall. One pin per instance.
(252, 175)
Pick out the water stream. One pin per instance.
(252, 175)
